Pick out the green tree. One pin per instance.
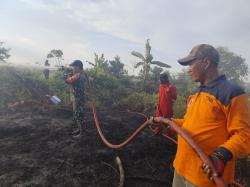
(147, 61)
(57, 55)
(4, 53)
(116, 67)
(100, 62)
(184, 83)
(232, 65)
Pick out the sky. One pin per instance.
(32, 28)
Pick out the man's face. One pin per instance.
(197, 70)
(76, 69)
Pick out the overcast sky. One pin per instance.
(31, 28)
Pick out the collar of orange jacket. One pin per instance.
(214, 82)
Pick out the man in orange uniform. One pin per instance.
(166, 98)
(218, 120)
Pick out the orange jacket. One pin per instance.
(217, 115)
(167, 95)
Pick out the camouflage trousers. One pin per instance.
(78, 115)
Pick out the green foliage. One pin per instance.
(232, 65)
(146, 61)
(108, 89)
(180, 106)
(4, 53)
(247, 86)
(12, 89)
(140, 102)
(116, 67)
(58, 87)
(114, 88)
(57, 55)
(184, 83)
(100, 63)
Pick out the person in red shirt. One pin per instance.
(166, 98)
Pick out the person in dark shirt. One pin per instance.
(46, 69)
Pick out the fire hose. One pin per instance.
(218, 180)
(186, 136)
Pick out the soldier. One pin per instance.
(77, 82)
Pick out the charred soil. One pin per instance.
(37, 149)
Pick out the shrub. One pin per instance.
(140, 102)
(180, 106)
(58, 87)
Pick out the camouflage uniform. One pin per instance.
(77, 83)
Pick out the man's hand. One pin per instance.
(67, 69)
(219, 159)
(155, 120)
(219, 166)
(159, 125)
(73, 79)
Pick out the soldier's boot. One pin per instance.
(79, 131)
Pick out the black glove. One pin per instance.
(219, 158)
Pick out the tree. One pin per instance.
(147, 61)
(57, 55)
(116, 67)
(100, 62)
(4, 53)
(184, 83)
(232, 65)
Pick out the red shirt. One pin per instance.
(167, 95)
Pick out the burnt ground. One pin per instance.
(36, 149)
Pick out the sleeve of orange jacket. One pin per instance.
(178, 121)
(238, 125)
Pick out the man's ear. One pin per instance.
(207, 63)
